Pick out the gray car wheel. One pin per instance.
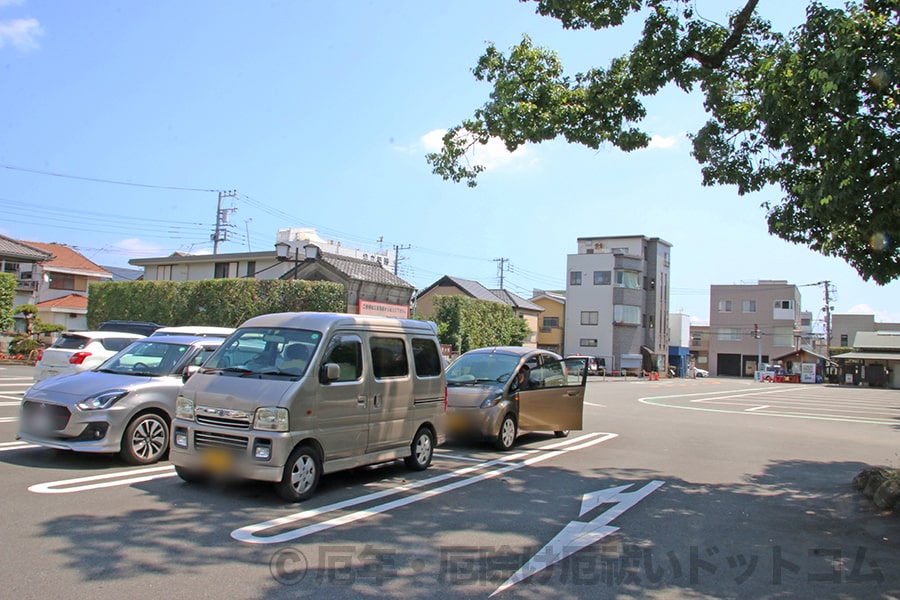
(146, 439)
(301, 475)
(422, 450)
(507, 435)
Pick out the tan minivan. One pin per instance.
(291, 396)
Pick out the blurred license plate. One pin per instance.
(455, 423)
(217, 460)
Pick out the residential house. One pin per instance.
(371, 288)
(617, 301)
(844, 328)
(456, 286)
(23, 262)
(550, 335)
(751, 324)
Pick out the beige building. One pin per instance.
(456, 286)
(751, 323)
(700, 346)
(844, 328)
(551, 333)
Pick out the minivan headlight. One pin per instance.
(101, 401)
(271, 419)
(184, 408)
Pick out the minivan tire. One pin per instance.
(146, 439)
(421, 450)
(190, 475)
(301, 474)
(506, 437)
(561, 434)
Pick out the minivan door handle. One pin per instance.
(361, 401)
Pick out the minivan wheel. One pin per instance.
(422, 450)
(146, 440)
(301, 475)
(507, 436)
(561, 434)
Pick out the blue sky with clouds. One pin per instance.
(319, 115)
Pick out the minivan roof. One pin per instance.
(318, 321)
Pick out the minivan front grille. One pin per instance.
(223, 417)
(208, 439)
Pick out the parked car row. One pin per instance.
(289, 396)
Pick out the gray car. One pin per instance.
(125, 405)
(494, 393)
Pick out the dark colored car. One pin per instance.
(494, 393)
(139, 327)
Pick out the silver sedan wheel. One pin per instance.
(146, 440)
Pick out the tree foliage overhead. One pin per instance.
(814, 112)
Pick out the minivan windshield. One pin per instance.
(265, 351)
(482, 368)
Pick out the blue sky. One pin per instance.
(319, 115)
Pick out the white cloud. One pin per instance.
(881, 316)
(21, 34)
(492, 155)
(661, 142)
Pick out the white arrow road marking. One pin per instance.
(249, 533)
(16, 446)
(578, 535)
(60, 487)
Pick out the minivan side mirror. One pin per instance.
(188, 372)
(330, 372)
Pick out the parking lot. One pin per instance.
(687, 488)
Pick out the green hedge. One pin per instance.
(467, 323)
(7, 299)
(212, 302)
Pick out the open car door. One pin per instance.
(553, 400)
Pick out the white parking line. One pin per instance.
(61, 487)
(757, 408)
(249, 533)
(8, 419)
(9, 403)
(19, 398)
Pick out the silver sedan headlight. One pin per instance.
(101, 401)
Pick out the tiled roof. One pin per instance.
(877, 340)
(67, 259)
(16, 249)
(70, 302)
(124, 274)
(363, 270)
(516, 301)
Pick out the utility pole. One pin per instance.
(502, 262)
(827, 285)
(221, 233)
(397, 258)
(758, 337)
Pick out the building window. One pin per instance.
(251, 268)
(845, 342)
(624, 314)
(551, 322)
(748, 306)
(724, 306)
(628, 279)
(164, 273)
(696, 340)
(784, 304)
(587, 343)
(221, 270)
(11, 267)
(783, 337)
(729, 334)
(575, 278)
(62, 281)
(590, 317)
(602, 277)
(650, 321)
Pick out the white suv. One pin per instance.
(79, 351)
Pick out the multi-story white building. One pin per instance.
(617, 301)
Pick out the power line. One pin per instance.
(110, 181)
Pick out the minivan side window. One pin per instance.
(388, 357)
(427, 358)
(346, 352)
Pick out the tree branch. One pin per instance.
(714, 61)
